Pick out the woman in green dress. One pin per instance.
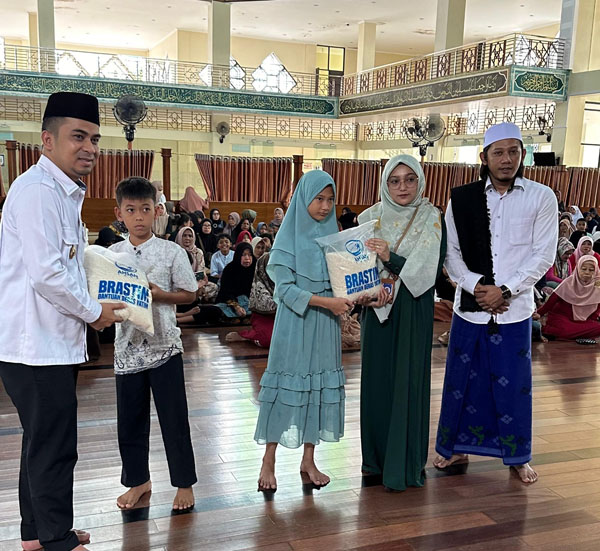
(302, 394)
(397, 329)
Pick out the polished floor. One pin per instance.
(478, 507)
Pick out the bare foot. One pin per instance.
(80, 548)
(184, 499)
(314, 474)
(525, 473)
(441, 462)
(133, 495)
(35, 545)
(234, 337)
(266, 478)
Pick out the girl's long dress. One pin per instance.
(395, 387)
(561, 323)
(302, 394)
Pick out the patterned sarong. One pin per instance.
(486, 402)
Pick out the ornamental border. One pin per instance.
(14, 82)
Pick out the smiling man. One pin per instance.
(45, 305)
(502, 234)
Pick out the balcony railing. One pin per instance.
(516, 49)
(272, 79)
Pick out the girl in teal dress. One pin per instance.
(302, 394)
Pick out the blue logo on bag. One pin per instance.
(355, 247)
(127, 270)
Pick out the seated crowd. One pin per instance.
(229, 258)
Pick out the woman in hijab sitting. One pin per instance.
(574, 307)
(161, 222)
(236, 284)
(218, 225)
(560, 270)
(207, 291)
(584, 247)
(209, 240)
(263, 308)
(107, 237)
(245, 225)
(398, 328)
(258, 247)
(233, 219)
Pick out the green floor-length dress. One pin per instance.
(395, 386)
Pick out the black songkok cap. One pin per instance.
(73, 104)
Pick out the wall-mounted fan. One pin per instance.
(222, 130)
(129, 111)
(423, 133)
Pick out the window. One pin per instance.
(236, 75)
(330, 69)
(272, 76)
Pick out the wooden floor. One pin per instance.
(481, 507)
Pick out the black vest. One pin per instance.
(472, 220)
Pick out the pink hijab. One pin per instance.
(584, 297)
(191, 201)
(578, 254)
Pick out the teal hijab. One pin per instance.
(295, 246)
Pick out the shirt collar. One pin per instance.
(68, 185)
(143, 246)
(519, 184)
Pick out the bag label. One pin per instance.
(125, 292)
(362, 281)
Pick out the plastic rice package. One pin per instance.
(115, 277)
(352, 267)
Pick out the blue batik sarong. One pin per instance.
(486, 402)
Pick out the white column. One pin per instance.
(33, 29)
(450, 24)
(45, 17)
(367, 33)
(219, 33)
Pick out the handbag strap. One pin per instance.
(410, 222)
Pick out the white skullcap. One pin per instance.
(502, 131)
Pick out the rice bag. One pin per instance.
(352, 267)
(115, 277)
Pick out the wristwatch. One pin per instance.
(506, 292)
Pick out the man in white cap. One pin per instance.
(502, 234)
(45, 305)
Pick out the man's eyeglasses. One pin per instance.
(410, 182)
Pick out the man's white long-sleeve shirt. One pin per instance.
(524, 231)
(44, 299)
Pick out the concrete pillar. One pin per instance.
(33, 29)
(568, 130)
(450, 24)
(580, 26)
(45, 17)
(219, 33)
(367, 33)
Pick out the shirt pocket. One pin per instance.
(70, 240)
(521, 233)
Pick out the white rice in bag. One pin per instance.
(352, 267)
(115, 277)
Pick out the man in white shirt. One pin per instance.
(45, 305)
(502, 235)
